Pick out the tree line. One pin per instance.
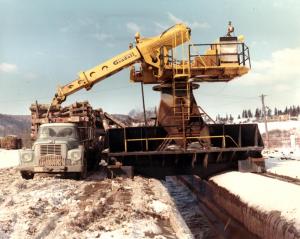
(291, 111)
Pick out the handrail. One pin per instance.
(176, 138)
(242, 54)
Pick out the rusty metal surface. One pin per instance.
(180, 116)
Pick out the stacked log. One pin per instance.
(79, 112)
(11, 142)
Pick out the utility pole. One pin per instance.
(265, 119)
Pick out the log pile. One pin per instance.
(11, 142)
(81, 113)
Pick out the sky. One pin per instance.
(46, 43)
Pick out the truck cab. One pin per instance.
(57, 149)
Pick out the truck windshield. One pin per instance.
(57, 132)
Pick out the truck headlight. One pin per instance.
(26, 157)
(75, 155)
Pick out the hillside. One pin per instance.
(14, 124)
(20, 124)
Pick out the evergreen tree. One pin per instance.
(286, 111)
(257, 113)
(243, 114)
(293, 111)
(249, 113)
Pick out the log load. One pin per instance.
(81, 113)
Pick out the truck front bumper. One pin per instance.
(52, 169)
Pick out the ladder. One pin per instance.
(181, 87)
(181, 97)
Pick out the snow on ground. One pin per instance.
(282, 153)
(9, 158)
(263, 193)
(283, 161)
(280, 125)
(51, 207)
(289, 168)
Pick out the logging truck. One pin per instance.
(68, 141)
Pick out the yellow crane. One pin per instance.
(156, 64)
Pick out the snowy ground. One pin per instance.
(251, 189)
(9, 158)
(289, 168)
(48, 207)
(283, 161)
(282, 153)
(280, 125)
(52, 207)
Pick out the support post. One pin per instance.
(144, 109)
(265, 119)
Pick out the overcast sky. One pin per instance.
(44, 44)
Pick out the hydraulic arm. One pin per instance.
(147, 51)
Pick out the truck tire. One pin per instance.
(83, 173)
(27, 175)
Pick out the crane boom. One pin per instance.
(90, 77)
(147, 50)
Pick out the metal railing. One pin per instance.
(242, 53)
(146, 140)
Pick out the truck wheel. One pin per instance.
(27, 175)
(83, 173)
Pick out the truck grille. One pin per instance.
(51, 155)
(51, 160)
(53, 149)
